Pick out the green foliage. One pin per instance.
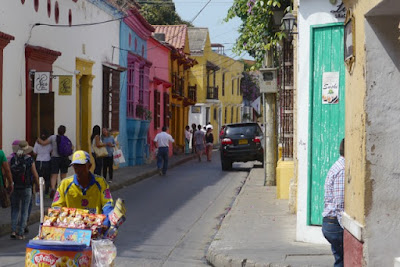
(161, 12)
(257, 31)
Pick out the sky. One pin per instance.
(212, 17)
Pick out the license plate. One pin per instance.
(243, 142)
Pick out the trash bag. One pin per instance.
(104, 253)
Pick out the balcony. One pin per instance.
(212, 93)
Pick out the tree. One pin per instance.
(258, 32)
(249, 87)
(161, 12)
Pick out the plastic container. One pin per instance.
(71, 256)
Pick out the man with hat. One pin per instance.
(24, 174)
(84, 190)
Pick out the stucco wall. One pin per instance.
(87, 42)
(382, 138)
(310, 12)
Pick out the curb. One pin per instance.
(35, 215)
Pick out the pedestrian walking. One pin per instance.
(194, 129)
(161, 141)
(96, 142)
(108, 161)
(332, 227)
(5, 179)
(199, 140)
(62, 148)
(187, 139)
(43, 157)
(209, 138)
(24, 175)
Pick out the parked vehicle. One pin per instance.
(241, 142)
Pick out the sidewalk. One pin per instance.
(122, 177)
(259, 231)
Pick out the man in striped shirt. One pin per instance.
(334, 206)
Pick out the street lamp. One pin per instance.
(288, 22)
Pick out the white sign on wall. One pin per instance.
(330, 88)
(42, 82)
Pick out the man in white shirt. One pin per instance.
(161, 141)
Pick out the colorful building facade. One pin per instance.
(217, 79)
(71, 59)
(182, 94)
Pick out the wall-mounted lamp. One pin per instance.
(288, 23)
(31, 73)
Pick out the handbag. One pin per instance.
(118, 156)
(100, 152)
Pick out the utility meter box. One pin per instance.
(268, 80)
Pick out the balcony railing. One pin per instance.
(212, 92)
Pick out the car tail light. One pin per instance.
(227, 141)
(257, 139)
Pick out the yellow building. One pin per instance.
(182, 93)
(372, 53)
(217, 80)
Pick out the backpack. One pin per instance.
(21, 171)
(64, 146)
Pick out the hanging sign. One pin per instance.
(330, 88)
(65, 85)
(42, 83)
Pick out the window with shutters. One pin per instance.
(157, 110)
(166, 110)
(231, 114)
(226, 114)
(237, 86)
(130, 101)
(233, 86)
(223, 84)
(111, 83)
(215, 114)
(144, 95)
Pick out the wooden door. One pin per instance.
(327, 120)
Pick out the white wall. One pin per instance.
(310, 12)
(17, 20)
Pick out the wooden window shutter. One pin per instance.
(166, 110)
(157, 110)
(115, 83)
(106, 98)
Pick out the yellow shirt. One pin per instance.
(96, 197)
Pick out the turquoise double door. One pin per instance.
(326, 111)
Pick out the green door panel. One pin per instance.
(327, 121)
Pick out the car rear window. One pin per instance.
(242, 130)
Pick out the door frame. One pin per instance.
(310, 113)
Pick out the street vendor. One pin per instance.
(84, 190)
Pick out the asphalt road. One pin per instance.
(171, 220)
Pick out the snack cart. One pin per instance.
(73, 237)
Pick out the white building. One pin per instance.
(63, 39)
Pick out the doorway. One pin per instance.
(42, 114)
(327, 118)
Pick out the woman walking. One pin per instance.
(209, 143)
(109, 141)
(95, 139)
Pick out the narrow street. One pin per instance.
(171, 219)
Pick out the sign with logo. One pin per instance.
(330, 88)
(65, 85)
(42, 83)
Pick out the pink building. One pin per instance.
(158, 54)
